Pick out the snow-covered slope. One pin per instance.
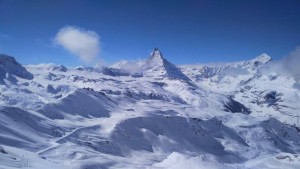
(81, 102)
(149, 114)
(9, 66)
(255, 84)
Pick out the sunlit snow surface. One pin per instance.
(150, 114)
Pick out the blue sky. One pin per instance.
(186, 31)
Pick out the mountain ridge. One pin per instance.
(158, 115)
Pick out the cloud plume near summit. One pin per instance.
(291, 63)
(82, 43)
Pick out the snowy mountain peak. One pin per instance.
(156, 54)
(263, 58)
(257, 61)
(157, 66)
(156, 59)
(9, 65)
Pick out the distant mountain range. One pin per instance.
(149, 114)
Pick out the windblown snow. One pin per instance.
(149, 114)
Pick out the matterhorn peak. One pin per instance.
(155, 59)
(156, 54)
(157, 66)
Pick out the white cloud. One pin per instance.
(287, 66)
(82, 43)
(130, 66)
(291, 63)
